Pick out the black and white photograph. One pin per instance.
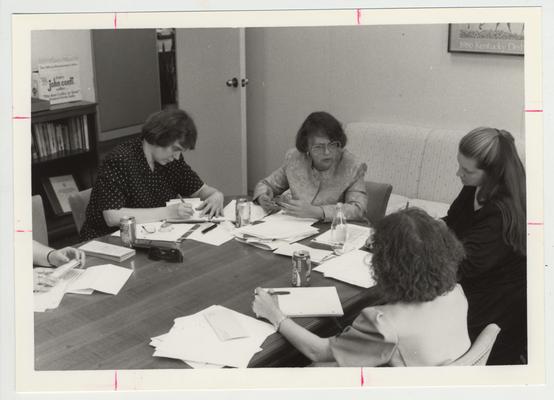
(310, 199)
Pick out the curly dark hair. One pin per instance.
(168, 126)
(319, 123)
(415, 257)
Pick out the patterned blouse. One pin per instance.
(297, 179)
(125, 180)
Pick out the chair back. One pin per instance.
(78, 203)
(479, 352)
(40, 230)
(378, 195)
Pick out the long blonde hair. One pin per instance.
(504, 183)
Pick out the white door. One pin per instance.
(206, 59)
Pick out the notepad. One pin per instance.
(310, 302)
(353, 267)
(107, 251)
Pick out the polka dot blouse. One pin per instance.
(126, 180)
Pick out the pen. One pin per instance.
(181, 198)
(277, 292)
(209, 228)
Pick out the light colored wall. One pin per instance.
(392, 74)
(66, 43)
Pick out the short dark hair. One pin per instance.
(322, 123)
(415, 257)
(166, 127)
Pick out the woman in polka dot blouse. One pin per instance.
(139, 176)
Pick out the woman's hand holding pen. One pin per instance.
(212, 206)
(265, 306)
(180, 210)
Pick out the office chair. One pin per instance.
(40, 230)
(378, 195)
(78, 203)
(479, 352)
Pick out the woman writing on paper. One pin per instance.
(316, 175)
(489, 217)
(139, 176)
(47, 257)
(415, 260)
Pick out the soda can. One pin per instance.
(242, 212)
(128, 227)
(301, 268)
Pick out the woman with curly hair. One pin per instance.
(489, 217)
(423, 322)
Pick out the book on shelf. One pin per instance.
(60, 137)
(107, 251)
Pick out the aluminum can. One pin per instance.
(242, 212)
(301, 268)
(128, 227)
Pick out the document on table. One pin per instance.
(194, 202)
(50, 299)
(103, 278)
(316, 255)
(309, 301)
(356, 237)
(278, 229)
(154, 231)
(193, 340)
(353, 267)
(216, 237)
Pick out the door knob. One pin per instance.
(234, 82)
(244, 82)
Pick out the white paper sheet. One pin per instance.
(216, 237)
(103, 278)
(356, 237)
(353, 267)
(275, 229)
(193, 339)
(316, 255)
(50, 299)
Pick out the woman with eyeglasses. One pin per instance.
(489, 217)
(316, 175)
(139, 176)
(423, 321)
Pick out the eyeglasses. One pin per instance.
(165, 227)
(321, 147)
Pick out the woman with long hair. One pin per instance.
(489, 217)
(424, 321)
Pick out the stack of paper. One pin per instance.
(194, 202)
(103, 278)
(256, 212)
(356, 237)
(217, 236)
(213, 338)
(316, 255)
(353, 267)
(309, 301)
(108, 251)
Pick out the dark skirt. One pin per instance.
(506, 306)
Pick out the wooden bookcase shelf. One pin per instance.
(68, 145)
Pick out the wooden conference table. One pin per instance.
(101, 331)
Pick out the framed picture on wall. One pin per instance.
(493, 38)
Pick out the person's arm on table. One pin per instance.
(47, 256)
(142, 215)
(312, 346)
(355, 200)
(266, 189)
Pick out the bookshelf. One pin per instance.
(63, 142)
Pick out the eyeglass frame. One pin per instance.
(320, 148)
